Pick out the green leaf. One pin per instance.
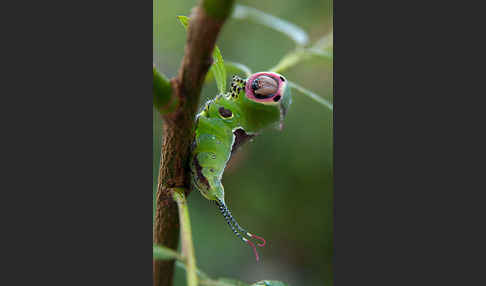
(163, 253)
(294, 32)
(269, 283)
(312, 95)
(232, 68)
(184, 21)
(218, 69)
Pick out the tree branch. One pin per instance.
(207, 18)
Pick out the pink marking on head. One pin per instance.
(259, 238)
(282, 83)
(254, 249)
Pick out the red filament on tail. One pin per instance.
(241, 232)
(254, 249)
(258, 238)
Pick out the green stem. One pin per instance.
(312, 95)
(325, 42)
(297, 34)
(290, 60)
(319, 49)
(219, 9)
(204, 278)
(210, 282)
(186, 236)
(164, 253)
(199, 273)
(164, 99)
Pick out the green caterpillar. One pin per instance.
(227, 122)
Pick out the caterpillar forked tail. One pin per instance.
(239, 231)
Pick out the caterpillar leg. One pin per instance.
(232, 223)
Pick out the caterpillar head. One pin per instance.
(267, 88)
(270, 89)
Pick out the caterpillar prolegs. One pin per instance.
(227, 122)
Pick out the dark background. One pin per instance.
(281, 185)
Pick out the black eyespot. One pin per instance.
(264, 87)
(254, 84)
(276, 98)
(282, 78)
(225, 112)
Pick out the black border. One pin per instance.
(407, 125)
(79, 156)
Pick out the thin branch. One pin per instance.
(312, 95)
(207, 19)
(297, 34)
(319, 49)
(325, 42)
(299, 55)
(186, 236)
(290, 60)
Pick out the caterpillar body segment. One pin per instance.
(226, 123)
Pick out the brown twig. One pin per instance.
(207, 18)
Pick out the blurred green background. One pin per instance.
(281, 185)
